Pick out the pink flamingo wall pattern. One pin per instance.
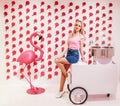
(54, 20)
(29, 56)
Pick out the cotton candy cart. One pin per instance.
(92, 79)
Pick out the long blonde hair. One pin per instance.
(82, 27)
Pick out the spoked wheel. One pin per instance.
(78, 95)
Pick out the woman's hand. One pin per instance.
(63, 56)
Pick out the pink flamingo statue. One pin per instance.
(29, 56)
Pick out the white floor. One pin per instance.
(13, 93)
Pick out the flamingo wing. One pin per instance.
(27, 57)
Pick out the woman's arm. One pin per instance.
(66, 46)
(64, 52)
(81, 48)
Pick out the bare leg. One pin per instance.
(62, 82)
(63, 78)
(61, 62)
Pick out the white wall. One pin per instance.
(116, 37)
(115, 29)
(2, 50)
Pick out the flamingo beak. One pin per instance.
(40, 37)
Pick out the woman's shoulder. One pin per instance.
(82, 37)
(70, 34)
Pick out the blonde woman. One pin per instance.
(75, 43)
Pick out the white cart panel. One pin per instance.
(96, 79)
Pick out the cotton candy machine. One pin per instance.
(102, 55)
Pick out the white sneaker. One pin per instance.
(60, 94)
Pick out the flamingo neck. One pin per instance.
(31, 37)
(36, 47)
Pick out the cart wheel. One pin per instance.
(108, 95)
(78, 95)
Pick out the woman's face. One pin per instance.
(77, 26)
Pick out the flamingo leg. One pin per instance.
(32, 90)
(28, 80)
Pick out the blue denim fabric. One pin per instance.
(72, 56)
